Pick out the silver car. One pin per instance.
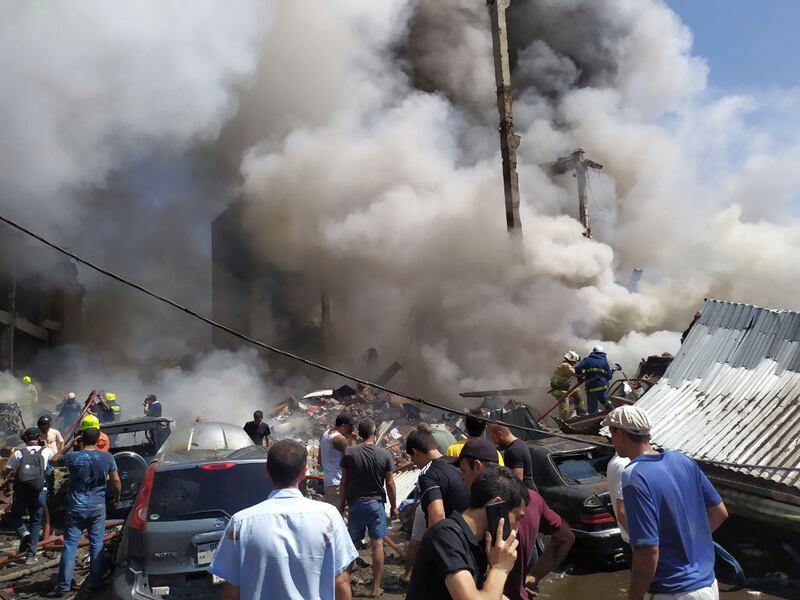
(186, 499)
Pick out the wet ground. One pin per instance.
(557, 586)
(562, 586)
(613, 586)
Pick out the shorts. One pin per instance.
(369, 515)
(332, 495)
(420, 524)
(707, 593)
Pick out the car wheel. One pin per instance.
(132, 468)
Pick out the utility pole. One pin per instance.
(578, 162)
(508, 140)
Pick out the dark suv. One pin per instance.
(134, 443)
(571, 478)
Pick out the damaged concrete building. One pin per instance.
(40, 300)
(252, 295)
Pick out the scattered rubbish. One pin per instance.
(307, 420)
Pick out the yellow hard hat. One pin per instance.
(111, 396)
(90, 421)
(26, 379)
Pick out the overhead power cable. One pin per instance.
(320, 366)
(274, 349)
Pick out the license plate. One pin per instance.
(205, 553)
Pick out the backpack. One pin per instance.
(30, 470)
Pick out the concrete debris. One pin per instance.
(307, 420)
(11, 423)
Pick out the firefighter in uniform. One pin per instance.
(562, 379)
(107, 409)
(111, 400)
(33, 393)
(594, 370)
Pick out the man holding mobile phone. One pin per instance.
(457, 559)
(530, 568)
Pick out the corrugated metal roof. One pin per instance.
(732, 394)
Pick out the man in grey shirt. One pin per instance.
(366, 468)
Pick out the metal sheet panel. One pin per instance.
(732, 394)
(404, 482)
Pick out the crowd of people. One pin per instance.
(476, 524)
(89, 465)
(106, 407)
(459, 548)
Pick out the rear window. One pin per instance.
(582, 468)
(196, 493)
(140, 442)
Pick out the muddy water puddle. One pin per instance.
(614, 586)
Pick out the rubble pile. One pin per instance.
(307, 419)
(11, 423)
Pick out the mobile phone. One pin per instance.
(494, 512)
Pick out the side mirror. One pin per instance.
(617, 367)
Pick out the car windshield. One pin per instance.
(582, 468)
(200, 493)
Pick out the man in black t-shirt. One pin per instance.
(516, 454)
(258, 431)
(455, 552)
(441, 489)
(366, 469)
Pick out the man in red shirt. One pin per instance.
(528, 571)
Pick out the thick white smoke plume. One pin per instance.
(112, 81)
(393, 203)
(363, 137)
(108, 111)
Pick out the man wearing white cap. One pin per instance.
(671, 510)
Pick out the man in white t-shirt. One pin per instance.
(331, 450)
(30, 490)
(614, 475)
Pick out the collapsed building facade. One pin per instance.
(731, 400)
(41, 301)
(251, 295)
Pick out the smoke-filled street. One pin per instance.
(422, 299)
